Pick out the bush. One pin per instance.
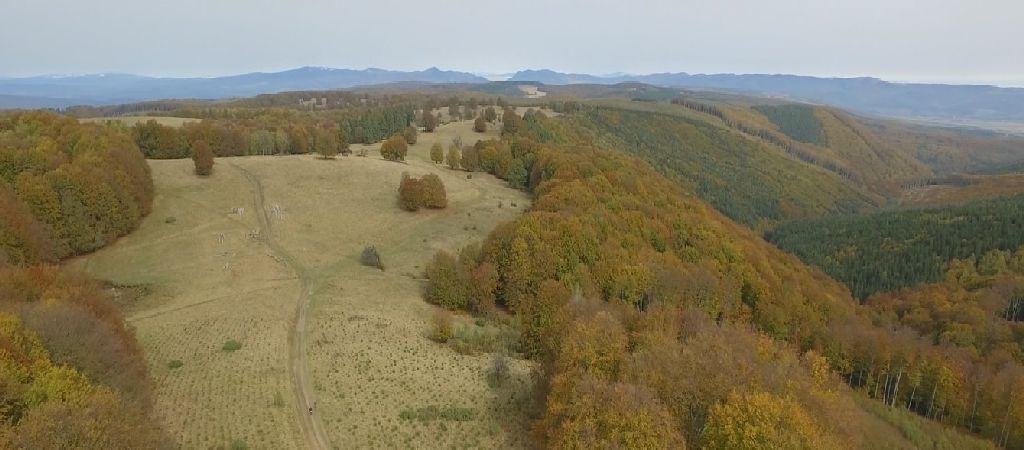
(231, 345)
(425, 192)
(174, 364)
(429, 121)
(500, 372)
(454, 158)
(432, 412)
(470, 159)
(475, 340)
(410, 135)
(441, 326)
(437, 153)
(202, 156)
(446, 288)
(371, 257)
(395, 148)
(480, 125)
(410, 193)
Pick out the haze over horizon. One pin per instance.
(906, 42)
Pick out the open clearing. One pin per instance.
(132, 120)
(977, 187)
(243, 254)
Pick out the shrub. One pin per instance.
(470, 159)
(475, 340)
(410, 135)
(410, 193)
(480, 125)
(433, 412)
(434, 195)
(202, 156)
(371, 257)
(441, 326)
(174, 364)
(429, 121)
(446, 287)
(231, 345)
(425, 192)
(437, 153)
(454, 158)
(239, 444)
(395, 148)
(500, 372)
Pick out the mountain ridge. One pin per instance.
(860, 94)
(103, 89)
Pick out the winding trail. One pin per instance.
(310, 424)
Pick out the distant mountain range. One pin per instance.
(105, 89)
(864, 95)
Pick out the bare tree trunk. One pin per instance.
(896, 389)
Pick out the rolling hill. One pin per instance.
(865, 95)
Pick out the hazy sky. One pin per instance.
(933, 40)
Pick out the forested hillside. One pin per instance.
(71, 372)
(747, 180)
(660, 323)
(889, 250)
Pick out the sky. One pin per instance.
(959, 41)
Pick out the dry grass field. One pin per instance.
(132, 120)
(315, 326)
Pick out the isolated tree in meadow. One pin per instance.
(454, 158)
(470, 159)
(202, 156)
(429, 121)
(434, 195)
(480, 125)
(425, 192)
(410, 135)
(437, 153)
(490, 115)
(410, 193)
(395, 148)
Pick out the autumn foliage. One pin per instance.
(635, 296)
(202, 156)
(424, 192)
(395, 148)
(66, 188)
(72, 374)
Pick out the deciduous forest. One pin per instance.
(71, 372)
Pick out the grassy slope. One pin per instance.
(368, 357)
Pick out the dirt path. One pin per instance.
(312, 428)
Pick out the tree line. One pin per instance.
(71, 371)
